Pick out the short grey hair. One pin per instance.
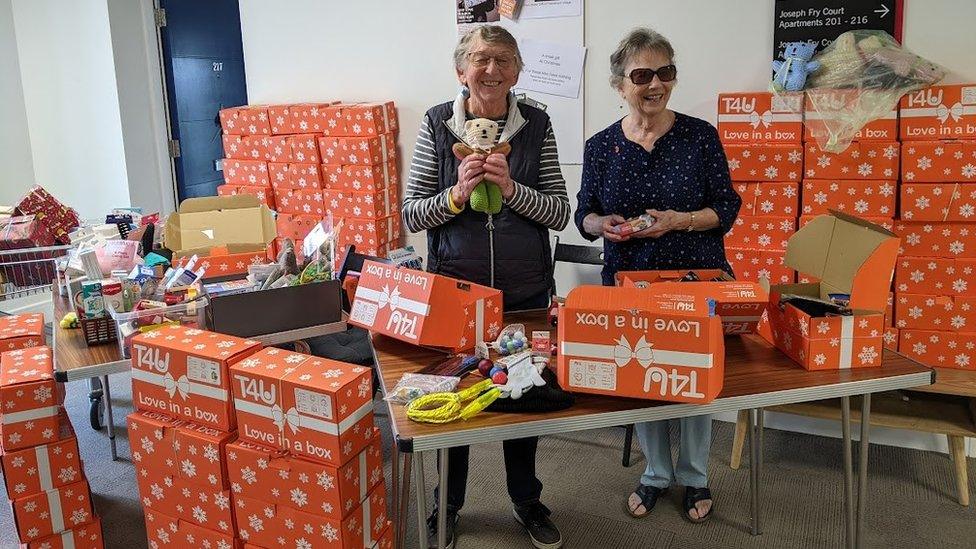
(638, 40)
(489, 34)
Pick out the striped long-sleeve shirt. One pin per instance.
(425, 208)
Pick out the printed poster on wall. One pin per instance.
(473, 13)
(551, 68)
(541, 9)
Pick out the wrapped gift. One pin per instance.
(300, 201)
(334, 124)
(165, 531)
(59, 219)
(245, 120)
(24, 232)
(859, 198)
(295, 175)
(175, 497)
(295, 226)
(760, 232)
(363, 205)
(313, 407)
(369, 119)
(821, 122)
(932, 275)
(21, 331)
(939, 112)
(40, 468)
(240, 147)
(264, 194)
(338, 177)
(938, 161)
(172, 447)
(87, 535)
(304, 148)
(939, 349)
(370, 233)
(640, 343)
(753, 265)
(938, 201)
(32, 398)
(261, 473)
(768, 198)
(264, 524)
(935, 312)
(56, 510)
(183, 373)
(297, 118)
(426, 309)
(363, 151)
(765, 161)
(760, 117)
(246, 172)
(861, 160)
(937, 239)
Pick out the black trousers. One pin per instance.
(523, 486)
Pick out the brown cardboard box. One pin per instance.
(216, 221)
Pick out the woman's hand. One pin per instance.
(496, 171)
(665, 222)
(471, 171)
(602, 225)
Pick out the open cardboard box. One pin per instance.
(740, 304)
(640, 343)
(848, 256)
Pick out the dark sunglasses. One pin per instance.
(666, 73)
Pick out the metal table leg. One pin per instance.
(755, 463)
(845, 421)
(862, 470)
(109, 422)
(401, 517)
(442, 498)
(418, 470)
(395, 499)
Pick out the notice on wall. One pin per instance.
(822, 21)
(474, 13)
(539, 9)
(551, 68)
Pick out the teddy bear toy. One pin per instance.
(791, 73)
(479, 138)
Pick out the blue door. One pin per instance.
(203, 59)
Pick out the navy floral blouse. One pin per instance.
(685, 171)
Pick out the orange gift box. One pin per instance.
(765, 161)
(313, 407)
(21, 331)
(939, 112)
(368, 205)
(859, 198)
(890, 310)
(887, 223)
(338, 177)
(938, 161)
(199, 505)
(819, 124)
(245, 120)
(276, 477)
(295, 226)
(375, 250)
(39, 468)
(246, 172)
(31, 413)
(768, 198)
(173, 447)
(740, 304)
(300, 201)
(760, 232)
(755, 265)
(760, 117)
(87, 536)
(361, 151)
(235, 147)
(264, 194)
(370, 233)
(861, 160)
(295, 175)
(939, 312)
(386, 539)
(183, 373)
(937, 239)
(939, 349)
(890, 338)
(53, 511)
(368, 119)
(938, 201)
(426, 309)
(304, 148)
(230, 259)
(640, 343)
(265, 524)
(846, 255)
(940, 276)
(297, 118)
(163, 531)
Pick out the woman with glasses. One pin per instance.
(508, 250)
(672, 167)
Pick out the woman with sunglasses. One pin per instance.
(671, 166)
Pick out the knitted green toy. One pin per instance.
(479, 137)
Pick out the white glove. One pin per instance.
(522, 377)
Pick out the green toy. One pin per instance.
(480, 136)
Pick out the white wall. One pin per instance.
(16, 163)
(72, 103)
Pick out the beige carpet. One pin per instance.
(912, 494)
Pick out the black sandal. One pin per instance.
(693, 496)
(648, 496)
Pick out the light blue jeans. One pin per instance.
(695, 441)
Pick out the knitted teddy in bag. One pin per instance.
(479, 138)
(791, 74)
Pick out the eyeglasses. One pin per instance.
(666, 73)
(481, 60)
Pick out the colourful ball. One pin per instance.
(495, 370)
(485, 366)
(519, 335)
(499, 378)
(511, 346)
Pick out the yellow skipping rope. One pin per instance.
(447, 407)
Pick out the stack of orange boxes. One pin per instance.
(39, 459)
(762, 137)
(935, 292)
(310, 160)
(307, 470)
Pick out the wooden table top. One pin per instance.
(752, 367)
(71, 353)
(950, 381)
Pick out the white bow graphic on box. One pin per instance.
(623, 353)
(292, 418)
(955, 111)
(181, 385)
(389, 298)
(765, 119)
